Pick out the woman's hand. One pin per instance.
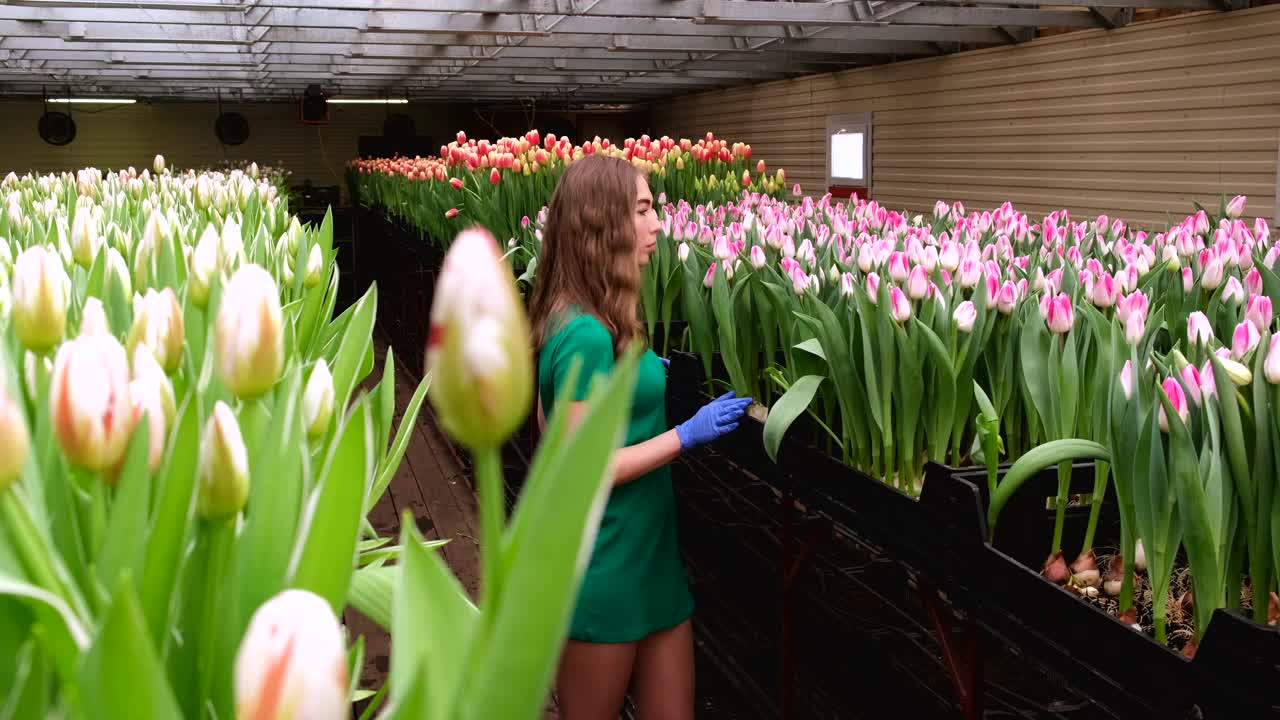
(716, 418)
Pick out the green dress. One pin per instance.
(635, 583)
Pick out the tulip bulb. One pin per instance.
(291, 662)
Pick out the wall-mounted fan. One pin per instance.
(56, 127)
(232, 128)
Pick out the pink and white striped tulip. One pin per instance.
(1253, 282)
(917, 283)
(1007, 300)
(1058, 313)
(1259, 312)
(899, 306)
(873, 287)
(1126, 379)
(1104, 292)
(1271, 363)
(970, 273)
(1199, 330)
(1212, 275)
(965, 316)
(846, 284)
(757, 257)
(1173, 389)
(1191, 378)
(1244, 340)
(1135, 302)
(1233, 291)
(1135, 329)
(1235, 207)
(898, 267)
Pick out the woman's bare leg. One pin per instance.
(664, 674)
(593, 677)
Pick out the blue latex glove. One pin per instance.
(666, 362)
(716, 418)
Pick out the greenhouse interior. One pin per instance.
(656, 359)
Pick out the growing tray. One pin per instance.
(1235, 673)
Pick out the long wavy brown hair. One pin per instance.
(588, 255)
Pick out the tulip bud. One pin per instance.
(965, 316)
(291, 662)
(315, 264)
(683, 251)
(204, 265)
(14, 441)
(1235, 208)
(89, 401)
(1059, 314)
(1271, 364)
(757, 256)
(1126, 379)
(85, 240)
(478, 345)
(93, 318)
(1233, 292)
(158, 164)
(1244, 339)
(1199, 331)
(249, 333)
(899, 306)
(917, 283)
(158, 324)
(147, 369)
(224, 466)
(41, 291)
(1211, 276)
(1259, 312)
(317, 400)
(1173, 389)
(1237, 372)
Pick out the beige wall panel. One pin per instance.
(1137, 122)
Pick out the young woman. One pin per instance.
(631, 624)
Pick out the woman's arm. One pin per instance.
(634, 461)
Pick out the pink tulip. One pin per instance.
(1253, 282)
(757, 257)
(1201, 222)
(929, 259)
(1271, 364)
(917, 283)
(451, 213)
(1233, 292)
(898, 267)
(1235, 208)
(1177, 398)
(1191, 378)
(1261, 231)
(1104, 292)
(683, 251)
(720, 248)
(1188, 280)
(970, 273)
(494, 177)
(1199, 331)
(846, 284)
(899, 306)
(1126, 379)
(710, 278)
(1135, 329)
(1058, 312)
(965, 316)
(1208, 384)
(1245, 338)
(1008, 298)
(873, 287)
(456, 183)
(950, 255)
(1135, 302)
(1259, 312)
(1212, 275)
(993, 291)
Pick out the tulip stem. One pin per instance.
(219, 538)
(492, 519)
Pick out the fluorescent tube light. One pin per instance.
(94, 101)
(368, 101)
